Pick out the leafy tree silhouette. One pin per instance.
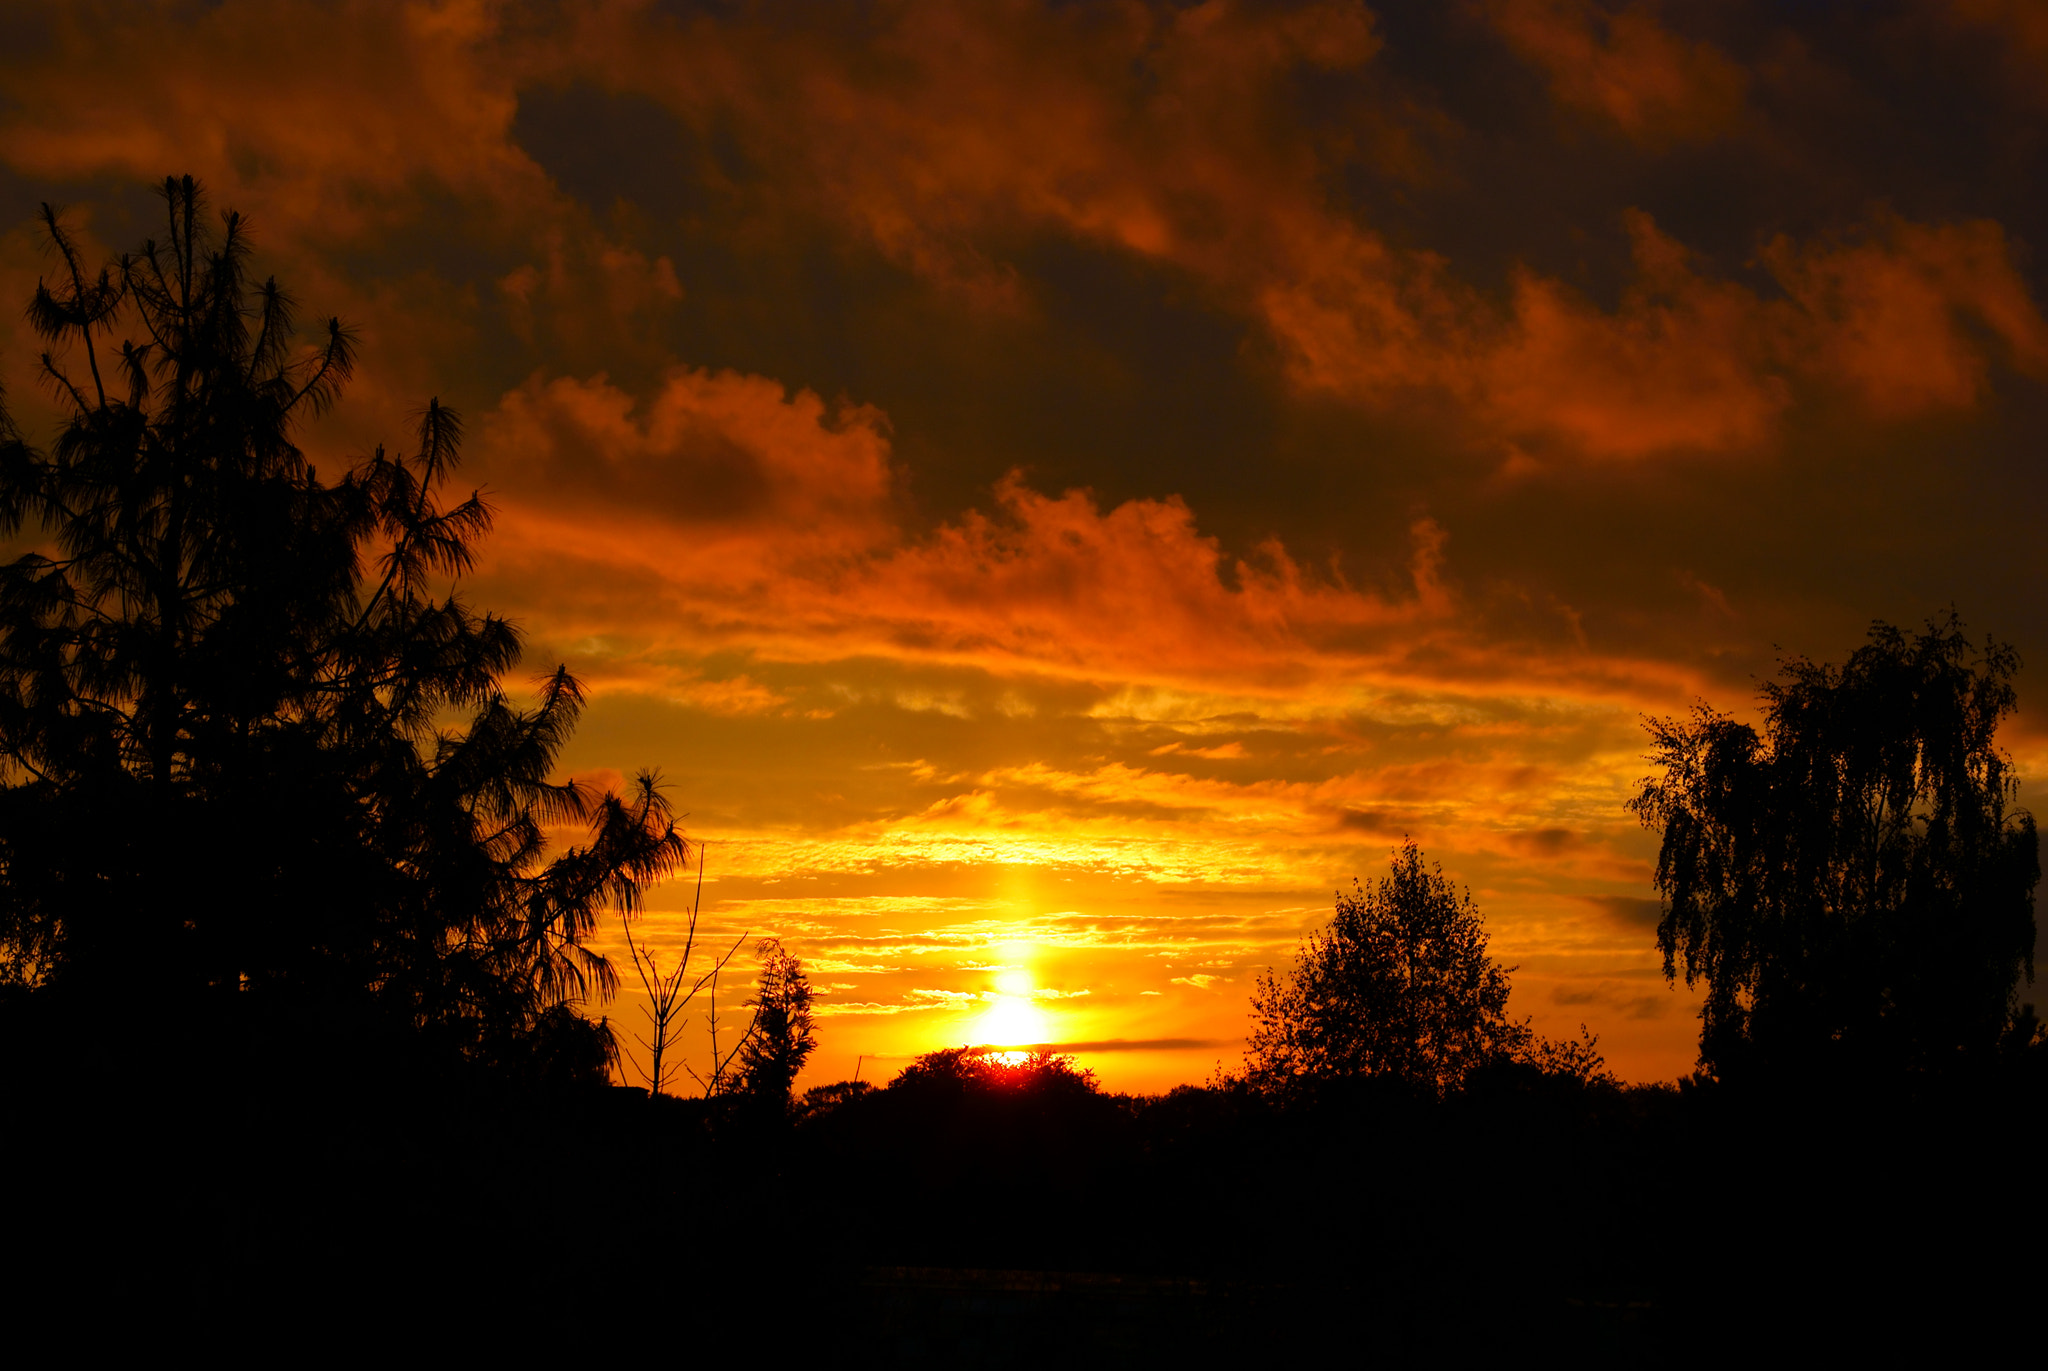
(1853, 883)
(230, 788)
(782, 1035)
(959, 1071)
(1398, 986)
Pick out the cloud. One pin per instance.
(866, 1008)
(1144, 1044)
(754, 517)
(1680, 364)
(1619, 63)
(1140, 125)
(951, 139)
(994, 124)
(273, 103)
(1546, 842)
(718, 461)
(1073, 586)
(918, 1001)
(1901, 317)
(1380, 823)
(1897, 318)
(1201, 980)
(735, 695)
(1223, 752)
(1630, 911)
(1615, 996)
(587, 292)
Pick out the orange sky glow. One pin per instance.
(1060, 490)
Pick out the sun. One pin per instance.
(1012, 1021)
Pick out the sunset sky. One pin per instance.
(1059, 489)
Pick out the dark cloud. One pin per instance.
(1615, 998)
(1630, 911)
(1547, 842)
(1379, 823)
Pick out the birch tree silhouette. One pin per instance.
(1854, 882)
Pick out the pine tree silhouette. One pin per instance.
(229, 786)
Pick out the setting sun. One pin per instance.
(1012, 1021)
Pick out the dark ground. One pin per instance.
(380, 1209)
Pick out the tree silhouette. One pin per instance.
(781, 1036)
(669, 996)
(229, 783)
(1853, 883)
(1399, 986)
(960, 1071)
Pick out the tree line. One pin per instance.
(1853, 884)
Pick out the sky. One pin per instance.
(1059, 490)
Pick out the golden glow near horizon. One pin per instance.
(1012, 1021)
(1056, 504)
(1014, 1018)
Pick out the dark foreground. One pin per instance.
(968, 1226)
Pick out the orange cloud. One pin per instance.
(1062, 584)
(1359, 319)
(1900, 318)
(705, 475)
(947, 136)
(1622, 64)
(1046, 584)
(1147, 127)
(1161, 133)
(589, 293)
(334, 129)
(1676, 366)
(724, 512)
(320, 121)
